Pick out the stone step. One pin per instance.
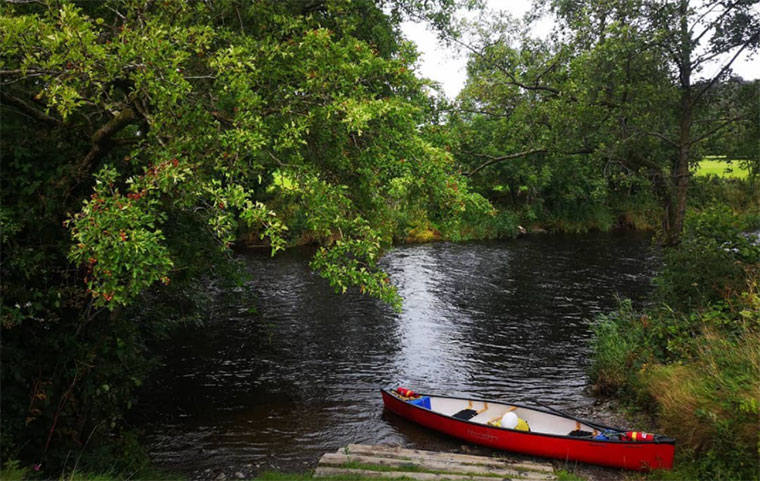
(396, 451)
(361, 461)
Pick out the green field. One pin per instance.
(722, 168)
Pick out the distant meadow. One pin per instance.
(717, 165)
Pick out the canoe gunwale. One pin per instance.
(659, 439)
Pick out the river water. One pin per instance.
(276, 380)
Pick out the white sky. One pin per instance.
(448, 67)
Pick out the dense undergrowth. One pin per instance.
(693, 358)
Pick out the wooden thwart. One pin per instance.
(502, 415)
(364, 461)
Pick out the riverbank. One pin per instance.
(606, 411)
(692, 359)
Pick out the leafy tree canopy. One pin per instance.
(142, 139)
(621, 93)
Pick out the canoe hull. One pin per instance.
(640, 456)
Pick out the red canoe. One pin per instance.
(549, 433)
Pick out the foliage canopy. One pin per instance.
(141, 140)
(623, 97)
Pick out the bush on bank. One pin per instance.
(694, 359)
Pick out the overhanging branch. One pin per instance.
(29, 109)
(492, 160)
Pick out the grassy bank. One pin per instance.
(693, 360)
(725, 183)
(12, 470)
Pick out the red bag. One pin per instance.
(406, 392)
(638, 436)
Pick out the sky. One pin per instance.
(447, 66)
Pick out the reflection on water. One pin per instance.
(299, 377)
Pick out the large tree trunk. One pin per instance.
(675, 212)
(675, 208)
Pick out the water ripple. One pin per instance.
(300, 375)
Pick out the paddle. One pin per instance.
(574, 418)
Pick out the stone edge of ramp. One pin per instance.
(359, 461)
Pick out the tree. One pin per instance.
(621, 81)
(688, 37)
(142, 139)
(530, 126)
(734, 99)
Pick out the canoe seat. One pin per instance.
(465, 414)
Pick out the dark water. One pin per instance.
(299, 377)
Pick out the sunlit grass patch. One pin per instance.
(720, 166)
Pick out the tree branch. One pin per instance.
(28, 109)
(716, 129)
(704, 14)
(27, 73)
(476, 111)
(512, 79)
(656, 134)
(725, 68)
(714, 22)
(100, 139)
(707, 56)
(493, 160)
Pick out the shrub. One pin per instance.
(617, 350)
(740, 194)
(479, 222)
(422, 235)
(580, 218)
(700, 373)
(707, 266)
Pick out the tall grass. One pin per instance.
(711, 404)
(12, 471)
(618, 350)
